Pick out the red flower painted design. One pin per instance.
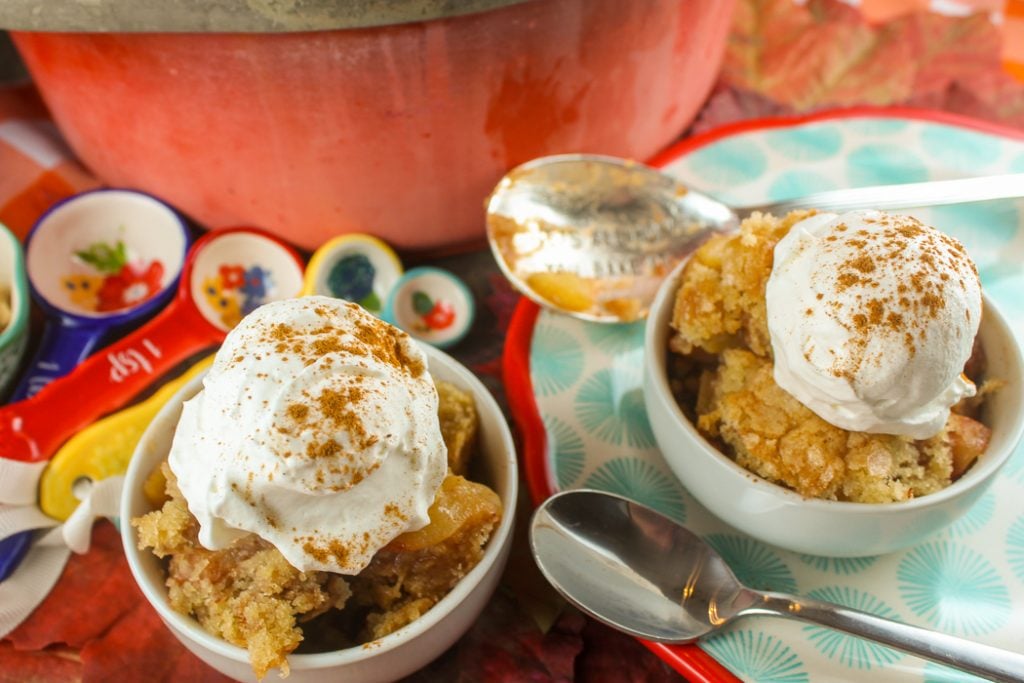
(231, 277)
(442, 315)
(135, 283)
(434, 315)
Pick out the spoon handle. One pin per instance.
(33, 429)
(976, 658)
(906, 196)
(61, 348)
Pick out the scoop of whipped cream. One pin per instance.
(316, 429)
(872, 317)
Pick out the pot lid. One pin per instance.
(228, 16)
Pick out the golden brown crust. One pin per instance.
(457, 412)
(773, 435)
(246, 594)
(412, 573)
(721, 302)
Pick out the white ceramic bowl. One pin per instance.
(783, 518)
(388, 658)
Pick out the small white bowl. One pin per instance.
(786, 519)
(389, 658)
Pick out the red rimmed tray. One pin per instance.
(692, 661)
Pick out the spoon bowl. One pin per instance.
(86, 255)
(98, 261)
(354, 267)
(641, 573)
(593, 236)
(630, 567)
(239, 270)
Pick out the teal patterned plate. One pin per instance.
(584, 423)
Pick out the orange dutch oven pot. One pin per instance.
(392, 118)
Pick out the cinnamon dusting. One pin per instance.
(920, 299)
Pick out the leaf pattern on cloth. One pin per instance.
(103, 575)
(605, 651)
(53, 665)
(114, 631)
(785, 57)
(502, 647)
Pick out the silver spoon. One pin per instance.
(593, 236)
(641, 573)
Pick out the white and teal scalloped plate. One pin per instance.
(590, 428)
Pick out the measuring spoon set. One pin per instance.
(98, 263)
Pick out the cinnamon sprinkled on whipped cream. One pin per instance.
(872, 317)
(317, 429)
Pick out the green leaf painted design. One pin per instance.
(421, 303)
(753, 562)
(853, 652)
(756, 657)
(639, 480)
(105, 258)
(371, 302)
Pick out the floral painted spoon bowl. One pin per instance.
(98, 261)
(354, 267)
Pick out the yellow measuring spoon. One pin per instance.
(104, 448)
(355, 267)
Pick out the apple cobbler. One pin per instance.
(249, 595)
(721, 367)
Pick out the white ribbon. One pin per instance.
(33, 580)
(19, 481)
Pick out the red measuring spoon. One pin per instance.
(227, 273)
